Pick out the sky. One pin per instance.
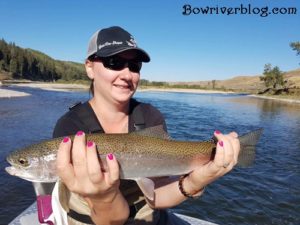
(192, 47)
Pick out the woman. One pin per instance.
(113, 64)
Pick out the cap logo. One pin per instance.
(110, 43)
(132, 42)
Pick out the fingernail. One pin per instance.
(218, 132)
(110, 156)
(90, 143)
(66, 139)
(221, 143)
(79, 133)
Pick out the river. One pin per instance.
(266, 193)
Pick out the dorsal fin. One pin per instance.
(156, 131)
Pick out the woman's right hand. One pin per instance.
(79, 168)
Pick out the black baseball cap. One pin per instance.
(113, 40)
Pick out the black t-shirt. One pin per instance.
(70, 122)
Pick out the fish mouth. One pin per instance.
(11, 170)
(12, 163)
(19, 172)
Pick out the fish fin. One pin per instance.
(248, 143)
(147, 187)
(156, 131)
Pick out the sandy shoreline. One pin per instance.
(4, 93)
(53, 86)
(277, 99)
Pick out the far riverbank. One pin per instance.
(186, 90)
(277, 98)
(5, 93)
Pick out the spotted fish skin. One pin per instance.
(140, 154)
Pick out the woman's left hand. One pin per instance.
(227, 151)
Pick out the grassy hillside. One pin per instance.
(243, 83)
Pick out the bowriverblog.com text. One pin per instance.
(240, 10)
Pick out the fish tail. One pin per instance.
(248, 147)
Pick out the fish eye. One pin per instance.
(23, 161)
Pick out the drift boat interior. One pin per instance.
(30, 215)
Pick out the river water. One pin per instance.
(266, 193)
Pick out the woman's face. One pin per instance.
(115, 79)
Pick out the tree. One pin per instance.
(296, 47)
(213, 84)
(272, 77)
(2, 65)
(5, 52)
(14, 67)
(144, 82)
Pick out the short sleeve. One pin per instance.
(65, 126)
(153, 117)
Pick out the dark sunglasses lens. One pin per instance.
(116, 63)
(135, 66)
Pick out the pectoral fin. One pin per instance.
(147, 187)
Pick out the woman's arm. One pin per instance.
(169, 195)
(79, 168)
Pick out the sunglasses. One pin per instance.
(119, 63)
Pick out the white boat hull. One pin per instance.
(30, 217)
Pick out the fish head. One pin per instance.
(32, 165)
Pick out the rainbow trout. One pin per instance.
(147, 153)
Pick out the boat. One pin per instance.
(30, 217)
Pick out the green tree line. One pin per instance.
(33, 65)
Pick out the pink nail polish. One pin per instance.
(221, 143)
(218, 132)
(79, 133)
(66, 139)
(90, 143)
(110, 156)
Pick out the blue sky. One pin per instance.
(182, 48)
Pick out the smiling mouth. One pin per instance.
(123, 86)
